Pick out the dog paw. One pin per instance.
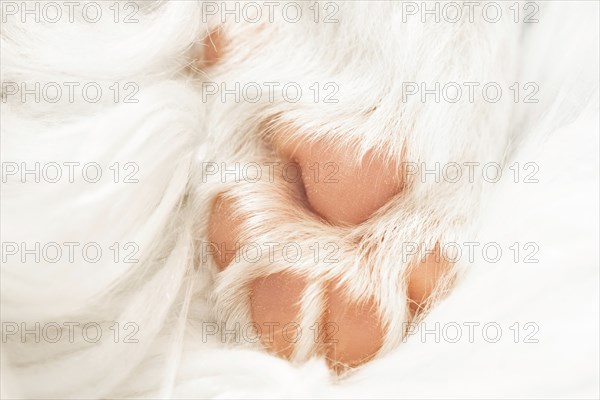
(300, 254)
(308, 249)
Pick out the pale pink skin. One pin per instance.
(358, 192)
(356, 195)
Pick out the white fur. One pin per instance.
(171, 294)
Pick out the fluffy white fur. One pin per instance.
(171, 293)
